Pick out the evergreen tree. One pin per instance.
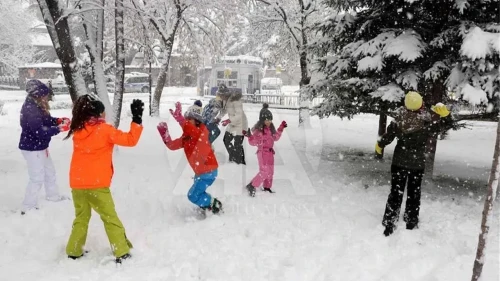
(376, 51)
(373, 52)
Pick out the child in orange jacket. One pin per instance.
(201, 157)
(91, 172)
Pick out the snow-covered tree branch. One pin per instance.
(290, 22)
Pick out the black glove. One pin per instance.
(247, 133)
(137, 107)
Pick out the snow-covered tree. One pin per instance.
(197, 21)
(57, 25)
(373, 52)
(92, 12)
(285, 29)
(120, 61)
(15, 43)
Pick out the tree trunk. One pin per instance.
(487, 211)
(435, 90)
(160, 83)
(305, 79)
(100, 33)
(120, 63)
(169, 43)
(304, 95)
(382, 125)
(95, 54)
(61, 39)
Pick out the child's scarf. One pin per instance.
(96, 121)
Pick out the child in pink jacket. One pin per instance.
(263, 135)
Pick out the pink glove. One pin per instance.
(163, 130)
(282, 126)
(177, 114)
(63, 120)
(226, 122)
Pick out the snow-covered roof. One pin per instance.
(241, 57)
(40, 39)
(43, 65)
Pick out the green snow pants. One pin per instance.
(101, 201)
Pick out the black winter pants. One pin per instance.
(400, 176)
(234, 146)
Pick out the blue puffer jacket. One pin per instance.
(37, 126)
(212, 110)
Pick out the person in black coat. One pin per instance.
(412, 127)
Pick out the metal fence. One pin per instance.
(286, 101)
(9, 82)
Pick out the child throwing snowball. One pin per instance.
(201, 157)
(91, 172)
(263, 135)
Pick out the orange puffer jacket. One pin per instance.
(92, 161)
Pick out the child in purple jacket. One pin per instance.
(38, 127)
(263, 136)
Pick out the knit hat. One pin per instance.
(223, 90)
(37, 89)
(265, 113)
(198, 103)
(194, 112)
(413, 101)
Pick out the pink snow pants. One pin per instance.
(266, 169)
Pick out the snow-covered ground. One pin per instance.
(324, 222)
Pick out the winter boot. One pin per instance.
(268, 189)
(411, 226)
(75, 257)
(251, 190)
(388, 230)
(122, 258)
(216, 206)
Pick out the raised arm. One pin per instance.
(177, 114)
(282, 127)
(167, 139)
(128, 139)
